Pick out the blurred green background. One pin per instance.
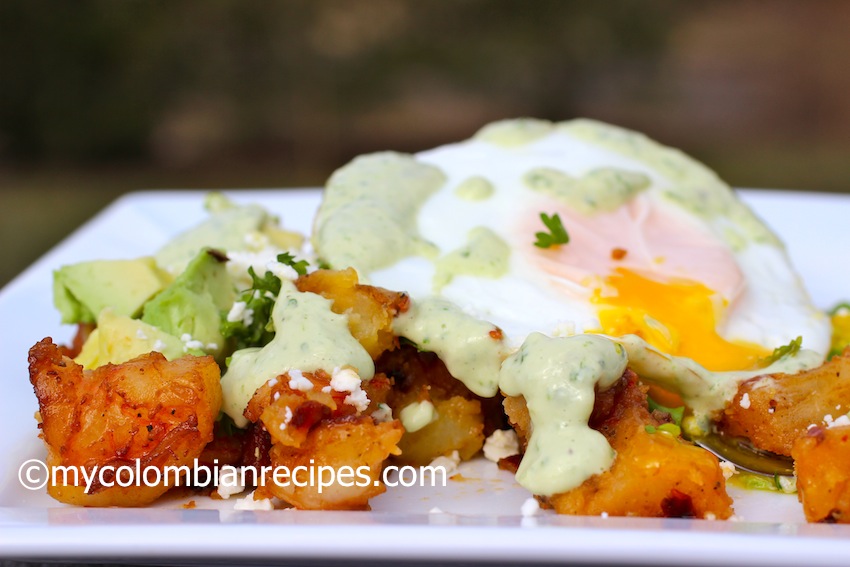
(98, 98)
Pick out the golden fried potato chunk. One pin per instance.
(335, 444)
(149, 410)
(370, 309)
(462, 418)
(654, 474)
(822, 463)
(458, 427)
(339, 464)
(773, 411)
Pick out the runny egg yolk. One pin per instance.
(678, 317)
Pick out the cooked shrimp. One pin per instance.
(147, 410)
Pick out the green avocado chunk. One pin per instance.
(119, 338)
(191, 307)
(81, 291)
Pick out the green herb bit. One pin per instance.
(260, 299)
(676, 413)
(557, 233)
(300, 266)
(790, 349)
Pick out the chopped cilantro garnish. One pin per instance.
(676, 413)
(557, 233)
(790, 349)
(300, 266)
(258, 329)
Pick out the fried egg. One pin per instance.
(658, 245)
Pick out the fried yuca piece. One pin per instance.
(463, 419)
(773, 411)
(370, 309)
(149, 410)
(821, 463)
(339, 447)
(654, 474)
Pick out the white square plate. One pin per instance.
(481, 518)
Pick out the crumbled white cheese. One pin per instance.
(158, 346)
(259, 260)
(287, 417)
(190, 343)
(502, 443)
(529, 508)
(727, 468)
(827, 419)
(345, 380)
(240, 312)
(745, 401)
(710, 516)
(272, 383)
(448, 463)
(256, 240)
(297, 381)
(211, 346)
(229, 485)
(140, 334)
(603, 515)
(281, 270)
(326, 390)
(383, 414)
(358, 399)
(840, 421)
(276, 396)
(248, 503)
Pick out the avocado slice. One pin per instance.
(119, 338)
(191, 307)
(81, 291)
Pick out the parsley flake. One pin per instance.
(260, 298)
(557, 233)
(790, 349)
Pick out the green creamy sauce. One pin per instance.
(225, 229)
(475, 188)
(308, 337)
(513, 133)
(558, 378)
(462, 342)
(485, 255)
(704, 391)
(417, 415)
(695, 187)
(368, 215)
(600, 190)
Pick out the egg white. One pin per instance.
(772, 309)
